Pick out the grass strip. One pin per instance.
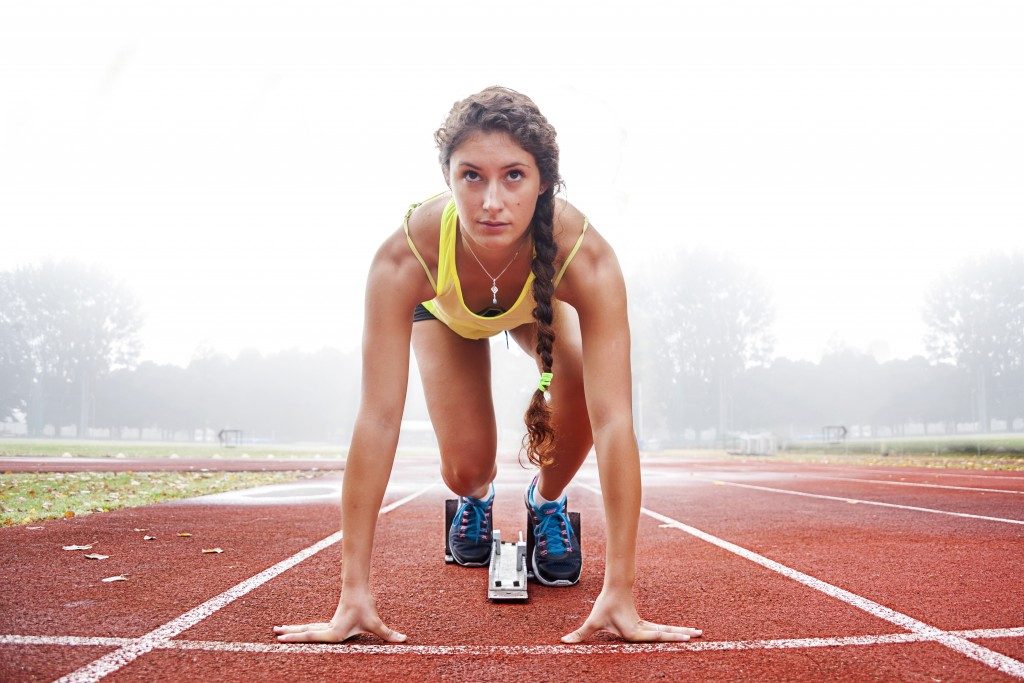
(31, 497)
(129, 449)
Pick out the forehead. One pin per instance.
(490, 148)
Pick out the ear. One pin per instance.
(543, 188)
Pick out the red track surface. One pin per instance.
(952, 573)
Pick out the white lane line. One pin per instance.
(65, 640)
(864, 502)
(914, 483)
(998, 661)
(521, 650)
(898, 471)
(111, 662)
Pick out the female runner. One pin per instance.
(499, 251)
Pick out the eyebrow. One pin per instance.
(516, 163)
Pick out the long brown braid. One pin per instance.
(502, 109)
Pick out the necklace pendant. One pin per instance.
(494, 292)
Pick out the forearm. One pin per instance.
(618, 461)
(367, 470)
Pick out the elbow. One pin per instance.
(616, 426)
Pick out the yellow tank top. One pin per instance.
(449, 307)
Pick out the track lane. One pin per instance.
(952, 573)
(52, 591)
(44, 663)
(934, 502)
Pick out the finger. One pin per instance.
(692, 632)
(389, 635)
(299, 628)
(646, 635)
(321, 636)
(581, 634)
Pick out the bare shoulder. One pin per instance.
(395, 267)
(425, 227)
(594, 270)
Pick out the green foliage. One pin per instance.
(699, 320)
(710, 317)
(290, 395)
(62, 325)
(976, 315)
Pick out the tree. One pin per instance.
(15, 372)
(976, 319)
(73, 323)
(703, 319)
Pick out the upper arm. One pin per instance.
(595, 287)
(393, 288)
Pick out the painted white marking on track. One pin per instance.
(897, 471)
(1001, 662)
(111, 662)
(522, 650)
(864, 502)
(917, 483)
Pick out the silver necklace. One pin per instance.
(494, 278)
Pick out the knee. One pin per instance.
(466, 476)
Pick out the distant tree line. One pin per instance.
(63, 327)
(701, 343)
(286, 396)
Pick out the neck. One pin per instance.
(494, 261)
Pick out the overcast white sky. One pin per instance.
(238, 163)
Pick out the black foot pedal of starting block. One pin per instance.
(451, 506)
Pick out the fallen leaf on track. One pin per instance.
(69, 514)
(33, 528)
(138, 529)
(184, 534)
(96, 556)
(111, 579)
(78, 547)
(149, 538)
(212, 550)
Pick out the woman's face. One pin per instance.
(495, 183)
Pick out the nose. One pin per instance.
(492, 198)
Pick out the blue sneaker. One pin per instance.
(469, 537)
(557, 560)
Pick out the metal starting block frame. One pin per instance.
(506, 577)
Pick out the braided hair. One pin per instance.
(498, 109)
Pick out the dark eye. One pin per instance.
(515, 174)
(471, 175)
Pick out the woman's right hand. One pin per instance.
(355, 615)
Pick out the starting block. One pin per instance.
(507, 570)
(506, 577)
(511, 563)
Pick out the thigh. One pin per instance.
(456, 374)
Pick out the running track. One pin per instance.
(794, 572)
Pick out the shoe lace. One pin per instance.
(552, 531)
(474, 521)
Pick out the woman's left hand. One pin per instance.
(615, 611)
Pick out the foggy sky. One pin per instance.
(237, 165)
